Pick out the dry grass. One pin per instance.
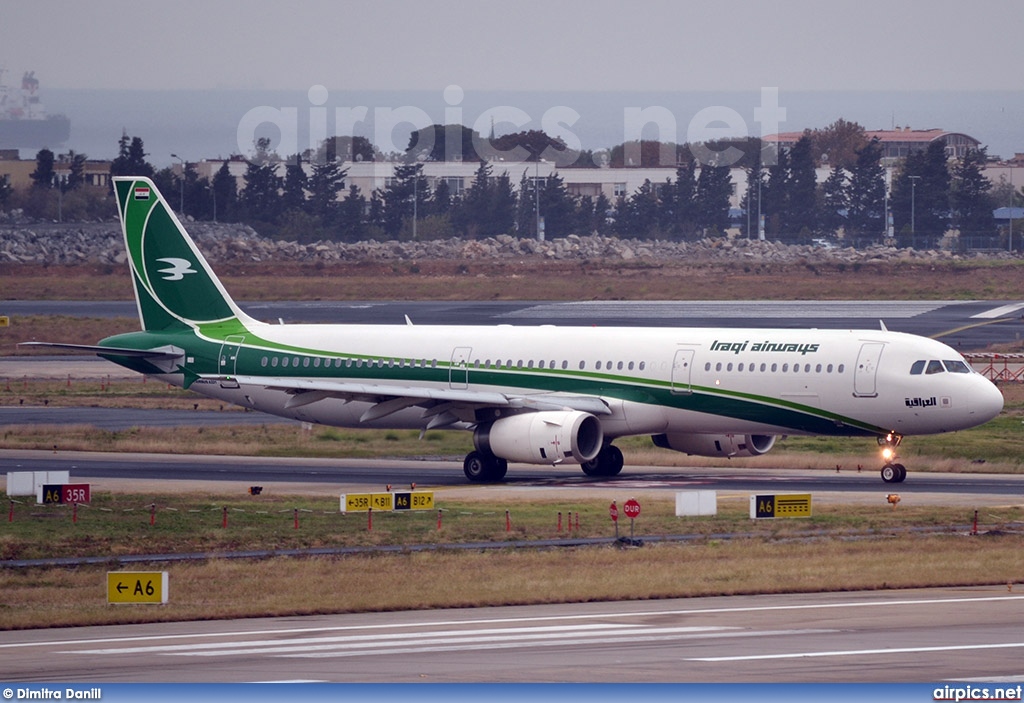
(281, 587)
(536, 278)
(765, 556)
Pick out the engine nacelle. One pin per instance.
(716, 444)
(550, 437)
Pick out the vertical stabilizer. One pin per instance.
(174, 285)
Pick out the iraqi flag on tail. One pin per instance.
(142, 192)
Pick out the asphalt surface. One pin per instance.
(340, 475)
(928, 635)
(962, 324)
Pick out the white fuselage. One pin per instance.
(654, 380)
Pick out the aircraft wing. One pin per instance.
(437, 402)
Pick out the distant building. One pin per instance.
(900, 143)
(17, 172)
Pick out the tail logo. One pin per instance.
(141, 193)
(177, 269)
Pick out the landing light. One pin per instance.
(888, 453)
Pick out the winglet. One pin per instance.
(882, 323)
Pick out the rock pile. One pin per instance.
(101, 243)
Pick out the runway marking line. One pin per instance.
(544, 618)
(860, 652)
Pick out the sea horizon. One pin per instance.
(199, 125)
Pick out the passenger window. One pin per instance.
(597, 366)
(583, 365)
(917, 368)
(934, 367)
(619, 367)
(707, 366)
(642, 365)
(957, 367)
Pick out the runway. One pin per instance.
(934, 635)
(965, 325)
(334, 476)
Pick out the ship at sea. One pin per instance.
(24, 122)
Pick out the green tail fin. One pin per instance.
(174, 285)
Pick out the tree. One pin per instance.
(260, 198)
(752, 198)
(714, 186)
(198, 196)
(838, 144)
(638, 216)
(44, 174)
(225, 194)
(680, 201)
(775, 196)
(131, 159)
(866, 193)
(351, 226)
(452, 142)
(489, 205)
(398, 196)
(802, 211)
(293, 189)
(76, 170)
(835, 202)
(325, 184)
(556, 207)
(971, 195)
(532, 145)
(920, 196)
(345, 149)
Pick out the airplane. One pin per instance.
(541, 394)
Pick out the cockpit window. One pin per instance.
(934, 367)
(956, 366)
(918, 368)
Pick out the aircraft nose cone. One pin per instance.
(987, 402)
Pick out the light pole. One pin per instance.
(1009, 241)
(536, 196)
(913, 193)
(181, 186)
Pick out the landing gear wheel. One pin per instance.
(482, 468)
(894, 473)
(608, 462)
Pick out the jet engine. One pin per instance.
(716, 444)
(549, 437)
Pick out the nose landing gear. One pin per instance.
(892, 472)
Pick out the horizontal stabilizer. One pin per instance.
(150, 354)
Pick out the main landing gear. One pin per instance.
(608, 462)
(892, 472)
(484, 467)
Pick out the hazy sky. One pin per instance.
(518, 45)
